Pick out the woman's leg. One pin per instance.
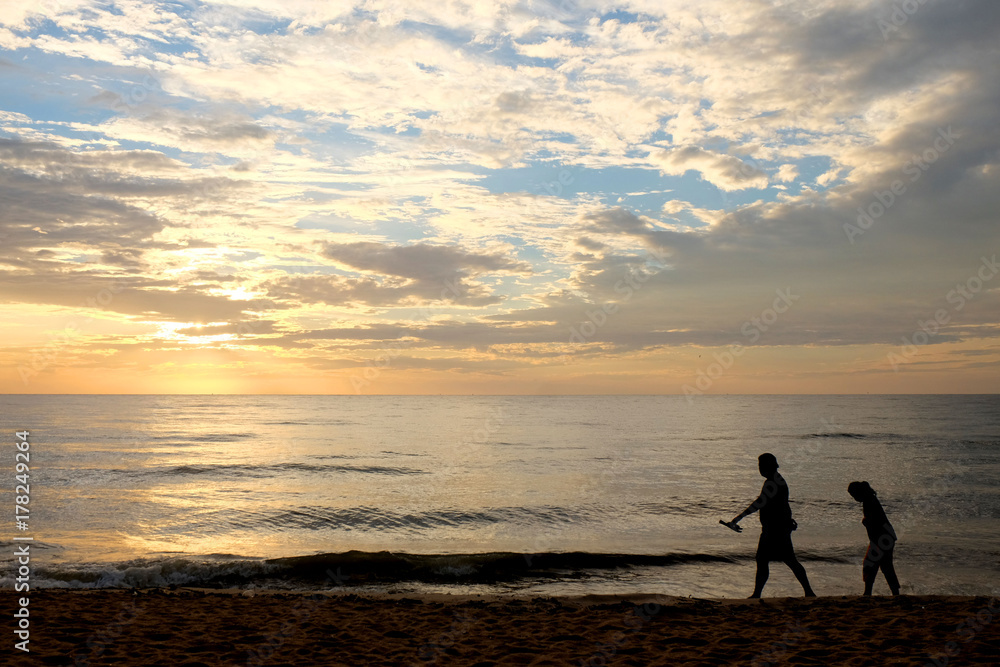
(889, 571)
(869, 569)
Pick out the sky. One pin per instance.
(541, 197)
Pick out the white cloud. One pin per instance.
(787, 173)
(724, 171)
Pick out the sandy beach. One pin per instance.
(199, 627)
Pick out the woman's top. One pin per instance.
(880, 531)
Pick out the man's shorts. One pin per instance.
(775, 545)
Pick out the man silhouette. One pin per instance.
(776, 526)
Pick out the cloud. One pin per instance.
(787, 173)
(218, 170)
(589, 244)
(395, 274)
(94, 291)
(222, 130)
(421, 261)
(723, 171)
(54, 197)
(244, 328)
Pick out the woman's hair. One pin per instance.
(860, 490)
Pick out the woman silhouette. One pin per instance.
(881, 538)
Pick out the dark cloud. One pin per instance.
(80, 201)
(421, 261)
(619, 221)
(403, 275)
(589, 244)
(57, 160)
(453, 364)
(879, 48)
(515, 102)
(42, 212)
(221, 129)
(88, 201)
(105, 98)
(126, 259)
(226, 133)
(142, 298)
(616, 220)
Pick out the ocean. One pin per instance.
(524, 495)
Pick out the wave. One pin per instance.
(221, 437)
(989, 442)
(374, 518)
(334, 422)
(387, 566)
(152, 574)
(380, 520)
(362, 568)
(887, 437)
(240, 470)
(245, 470)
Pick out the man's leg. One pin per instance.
(800, 574)
(763, 570)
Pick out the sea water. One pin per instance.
(497, 494)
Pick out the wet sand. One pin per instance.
(199, 627)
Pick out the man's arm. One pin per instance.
(751, 508)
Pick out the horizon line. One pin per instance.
(496, 395)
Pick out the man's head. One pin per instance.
(860, 491)
(767, 464)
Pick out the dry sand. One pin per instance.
(196, 627)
